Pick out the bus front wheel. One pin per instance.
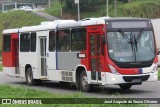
(125, 86)
(83, 85)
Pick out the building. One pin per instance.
(14, 4)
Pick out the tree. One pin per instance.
(84, 4)
(126, 1)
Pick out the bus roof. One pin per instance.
(124, 18)
(45, 26)
(8, 31)
(37, 28)
(60, 24)
(83, 22)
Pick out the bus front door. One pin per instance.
(95, 52)
(43, 56)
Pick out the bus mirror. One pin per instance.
(103, 39)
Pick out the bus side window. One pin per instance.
(7, 43)
(78, 39)
(25, 42)
(63, 40)
(52, 41)
(33, 42)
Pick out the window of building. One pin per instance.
(78, 39)
(33, 42)
(25, 42)
(63, 40)
(7, 43)
(52, 41)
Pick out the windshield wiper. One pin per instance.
(139, 35)
(136, 40)
(124, 36)
(131, 40)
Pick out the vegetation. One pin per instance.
(17, 19)
(147, 8)
(55, 9)
(84, 4)
(19, 92)
(1, 67)
(135, 8)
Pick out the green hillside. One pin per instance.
(136, 8)
(17, 19)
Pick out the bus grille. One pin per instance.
(131, 78)
(67, 76)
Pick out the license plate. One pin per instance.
(136, 80)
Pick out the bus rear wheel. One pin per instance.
(83, 85)
(125, 86)
(29, 77)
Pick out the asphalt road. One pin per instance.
(146, 90)
(46, 16)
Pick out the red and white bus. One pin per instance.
(95, 51)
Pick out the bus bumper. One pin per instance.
(133, 79)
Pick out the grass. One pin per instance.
(54, 10)
(1, 67)
(17, 19)
(21, 92)
(7, 91)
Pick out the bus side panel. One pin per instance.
(8, 57)
(67, 60)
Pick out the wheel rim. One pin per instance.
(84, 81)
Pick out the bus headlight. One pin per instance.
(155, 68)
(113, 70)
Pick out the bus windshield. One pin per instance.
(134, 46)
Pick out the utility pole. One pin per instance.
(107, 8)
(115, 8)
(78, 12)
(78, 9)
(49, 3)
(60, 4)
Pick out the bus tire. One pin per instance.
(29, 77)
(83, 83)
(125, 86)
